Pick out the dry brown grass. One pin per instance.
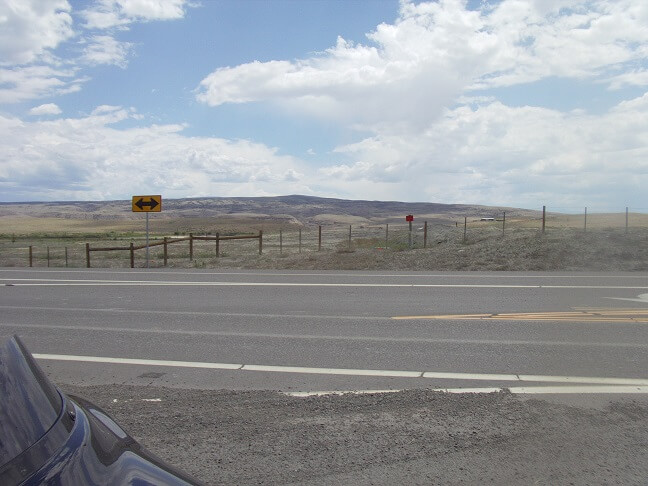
(522, 247)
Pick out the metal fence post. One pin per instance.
(166, 251)
(503, 223)
(465, 228)
(190, 247)
(260, 242)
(66, 256)
(132, 255)
(544, 218)
(280, 242)
(626, 229)
(319, 239)
(349, 237)
(88, 255)
(48, 257)
(217, 245)
(31, 256)
(387, 234)
(300, 240)
(425, 235)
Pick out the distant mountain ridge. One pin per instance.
(304, 209)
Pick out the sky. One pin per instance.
(519, 103)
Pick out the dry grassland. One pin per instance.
(565, 245)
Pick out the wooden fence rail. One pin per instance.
(166, 241)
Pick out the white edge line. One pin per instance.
(332, 371)
(585, 380)
(520, 390)
(637, 382)
(147, 362)
(614, 389)
(305, 274)
(68, 282)
(305, 394)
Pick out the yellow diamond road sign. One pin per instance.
(147, 204)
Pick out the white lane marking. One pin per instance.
(148, 283)
(540, 390)
(347, 371)
(643, 298)
(519, 390)
(192, 313)
(134, 361)
(312, 337)
(336, 392)
(333, 371)
(590, 380)
(153, 272)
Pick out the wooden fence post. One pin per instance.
(48, 257)
(280, 242)
(425, 235)
(260, 242)
(31, 256)
(166, 251)
(66, 256)
(319, 239)
(190, 247)
(387, 235)
(300, 244)
(217, 245)
(544, 218)
(88, 255)
(349, 237)
(132, 255)
(503, 223)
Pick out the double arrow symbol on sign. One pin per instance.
(151, 203)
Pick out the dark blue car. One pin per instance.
(47, 437)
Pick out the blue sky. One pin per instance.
(516, 102)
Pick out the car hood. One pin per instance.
(47, 437)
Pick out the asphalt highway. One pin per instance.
(320, 331)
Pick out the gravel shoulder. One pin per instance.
(414, 436)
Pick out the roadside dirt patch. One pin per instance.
(413, 437)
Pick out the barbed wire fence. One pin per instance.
(59, 251)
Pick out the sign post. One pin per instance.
(147, 204)
(409, 218)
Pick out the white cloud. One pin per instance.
(88, 158)
(29, 28)
(23, 83)
(46, 109)
(106, 14)
(105, 49)
(31, 31)
(435, 51)
(414, 87)
(504, 155)
(637, 77)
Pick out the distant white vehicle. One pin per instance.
(488, 219)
